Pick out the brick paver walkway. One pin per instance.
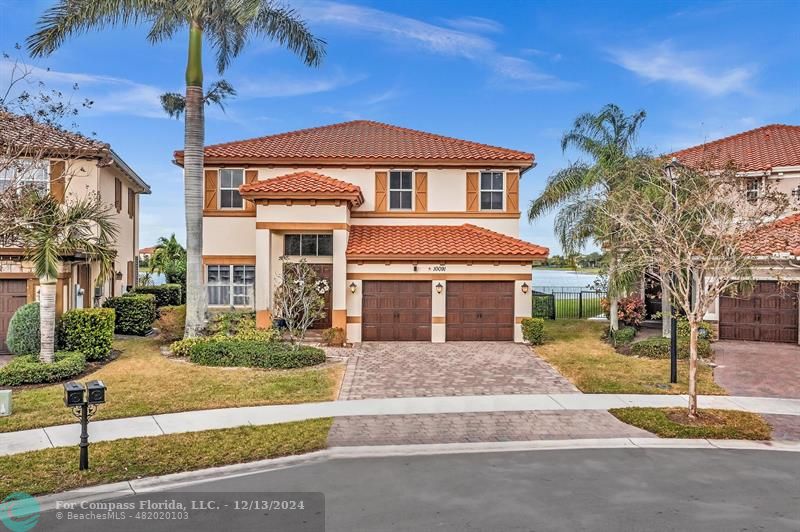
(758, 369)
(478, 427)
(417, 369)
(783, 427)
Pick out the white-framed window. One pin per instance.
(752, 190)
(230, 179)
(25, 172)
(796, 193)
(492, 188)
(308, 245)
(401, 189)
(231, 284)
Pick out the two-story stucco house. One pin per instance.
(417, 233)
(69, 166)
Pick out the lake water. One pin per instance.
(543, 278)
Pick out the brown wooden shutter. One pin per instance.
(380, 190)
(512, 192)
(118, 194)
(130, 274)
(57, 180)
(472, 191)
(421, 192)
(131, 203)
(250, 176)
(211, 190)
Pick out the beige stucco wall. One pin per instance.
(303, 213)
(229, 236)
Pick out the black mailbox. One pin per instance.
(73, 394)
(96, 392)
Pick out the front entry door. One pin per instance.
(324, 271)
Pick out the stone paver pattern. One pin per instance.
(478, 427)
(422, 369)
(783, 427)
(758, 369)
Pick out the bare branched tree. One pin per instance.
(299, 298)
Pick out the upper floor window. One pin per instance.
(308, 245)
(25, 172)
(492, 191)
(230, 179)
(400, 189)
(753, 190)
(796, 193)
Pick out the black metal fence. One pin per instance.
(562, 302)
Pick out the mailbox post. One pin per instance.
(83, 401)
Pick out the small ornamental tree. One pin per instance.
(689, 222)
(299, 299)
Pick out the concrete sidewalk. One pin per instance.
(199, 420)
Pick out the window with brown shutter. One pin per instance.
(210, 203)
(421, 192)
(512, 192)
(57, 184)
(118, 194)
(472, 191)
(131, 203)
(380, 191)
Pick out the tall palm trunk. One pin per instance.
(194, 140)
(47, 318)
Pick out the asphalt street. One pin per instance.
(576, 490)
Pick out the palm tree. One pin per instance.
(168, 255)
(607, 138)
(228, 25)
(48, 230)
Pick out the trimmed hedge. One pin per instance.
(704, 329)
(27, 369)
(135, 314)
(182, 348)
(89, 331)
(533, 330)
(624, 336)
(23, 336)
(273, 355)
(166, 294)
(658, 347)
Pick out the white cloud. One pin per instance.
(480, 24)
(663, 62)
(278, 86)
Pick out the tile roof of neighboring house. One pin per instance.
(783, 236)
(438, 241)
(147, 251)
(304, 184)
(756, 150)
(362, 141)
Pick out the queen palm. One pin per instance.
(607, 138)
(228, 25)
(48, 230)
(168, 255)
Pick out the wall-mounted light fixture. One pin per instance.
(524, 288)
(353, 287)
(439, 288)
(118, 276)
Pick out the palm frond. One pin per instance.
(561, 186)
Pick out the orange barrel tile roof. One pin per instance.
(782, 236)
(303, 184)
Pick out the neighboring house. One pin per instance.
(417, 233)
(767, 154)
(146, 253)
(68, 166)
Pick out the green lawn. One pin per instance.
(53, 470)
(142, 381)
(711, 424)
(576, 349)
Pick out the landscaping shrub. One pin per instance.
(659, 348)
(182, 348)
(23, 336)
(274, 355)
(135, 314)
(231, 322)
(171, 322)
(624, 336)
(334, 336)
(533, 330)
(166, 294)
(704, 329)
(89, 331)
(27, 369)
(260, 335)
(630, 310)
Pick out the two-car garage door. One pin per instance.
(401, 310)
(769, 314)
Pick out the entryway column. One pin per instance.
(339, 295)
(263, 295)
(523, 306)
(438, 311)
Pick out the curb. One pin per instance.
(189, 478)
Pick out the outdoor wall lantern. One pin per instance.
(439, 288)
(524, 288)
(118, 276)
(83, 401)
(353, 287)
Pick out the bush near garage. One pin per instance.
(89, 331)
(705, 330)
(27, 369)
(624, 336)
(171, 322)
(135, 314)
(165, 294)
(23, 336)
(254, 354)
(533, 330)
(659, 348)
(333, 337)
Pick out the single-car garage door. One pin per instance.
(13, 294)
(480, 310)
(396, 311)
(770, 314)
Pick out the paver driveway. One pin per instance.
(421, 369)
(758, 368)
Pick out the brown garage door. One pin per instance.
(480, 310)
(13, 294)
(396, 311)
(770, 314)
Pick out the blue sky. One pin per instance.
(509, 73)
